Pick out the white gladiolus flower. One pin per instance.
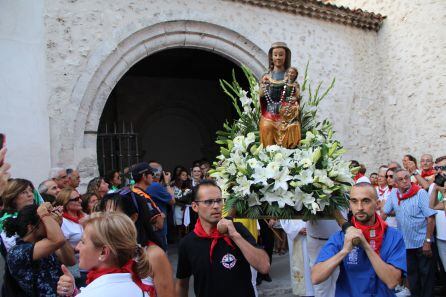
(250, 138)
(309, 136)
(244, 99)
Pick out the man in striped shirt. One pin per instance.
(416, 222)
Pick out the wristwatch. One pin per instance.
(416, 172)
(428, 240)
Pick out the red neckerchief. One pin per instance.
(426, 173)
(373, 234)
(382, 191)
(80, 215)
(410, 193)
(127, 268)
(358, 176)
(215, 236)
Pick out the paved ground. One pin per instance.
(280, 274)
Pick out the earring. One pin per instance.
(101, 258)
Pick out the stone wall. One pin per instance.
(80, 35)
(411, 91)
(23, 100)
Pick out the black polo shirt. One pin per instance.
(228, 275)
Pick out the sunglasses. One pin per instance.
(78, 198)
(442, 168)
(390, 175)
(210, 202)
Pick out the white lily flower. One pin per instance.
(231, 169)
(243, 186)
(322, 203)
(260, 176)
(254, 163)
(272, 169)
(281, 179)
(305, 177)
(253, 199)
(321, 177)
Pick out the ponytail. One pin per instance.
(142, 266)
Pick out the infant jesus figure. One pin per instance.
(290, 130)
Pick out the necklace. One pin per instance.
(270, 101)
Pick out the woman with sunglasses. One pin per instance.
(390, 220)
(70, 200)
(33, 263)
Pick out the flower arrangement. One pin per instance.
(308, 182)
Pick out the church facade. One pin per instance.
(62, 59)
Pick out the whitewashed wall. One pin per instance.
(412, 91)
(75, 30)
(23, 100)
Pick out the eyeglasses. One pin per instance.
(400, 179)
(389, 176)
(78, 198)
(442, 168)
(210, 202)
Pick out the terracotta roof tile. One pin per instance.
(325, 11)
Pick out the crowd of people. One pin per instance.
(114, 237)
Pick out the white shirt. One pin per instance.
(112, 285)
(72, 231)
(322, 228)
(9, 242)
(440, 219)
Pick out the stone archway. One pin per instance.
(110, 62)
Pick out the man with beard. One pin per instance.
(373, 267)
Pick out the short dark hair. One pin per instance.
(203, 183)
(366, 185)
(19, 225)
(411, 158)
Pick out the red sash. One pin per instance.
(382, 191)
(373, 234)
(127, 268)
(358, 176)
(80, 215)
(426, 173)
(410, 193)
(215, 236)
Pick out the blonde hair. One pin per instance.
(118, 232)
(64, 197)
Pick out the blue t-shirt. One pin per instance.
(43, 277)
(160, 195)
(357, 276)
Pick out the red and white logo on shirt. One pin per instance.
(228, 261)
